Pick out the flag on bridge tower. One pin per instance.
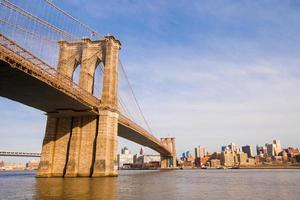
(93, 33)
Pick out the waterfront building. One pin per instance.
(251, 161)
(13, 166)
(200, 152)
(248, 150)
(215, 163)
(216, 155)
(125, 159)
(284, 155)
(32, 165)
(199, 162)
(242, 158)
(146, 160)
(259, 160)
(228, 158)
(292, 152)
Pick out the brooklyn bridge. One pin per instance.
(53, 62)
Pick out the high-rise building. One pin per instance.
(270, 149)
(233, 147)
(200, 152)
(183, 156)
(277, 147)
(187, 154)
(274, 148)
(261, 150)
(224, 148)
(248, 150)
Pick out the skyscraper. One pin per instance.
(248, 150)
(233, 147)
(277, 147)
(200, 152)
(270, 149)
(261, 150)
(274, 148)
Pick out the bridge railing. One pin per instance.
(45, 71)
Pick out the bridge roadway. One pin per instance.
(27, 79)
(19, 154)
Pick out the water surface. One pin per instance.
(180, 184)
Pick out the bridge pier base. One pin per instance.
(106, 163)
(80, 146)
(55, 147)
(169, 161)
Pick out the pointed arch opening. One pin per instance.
(98, 80)
(76, 74)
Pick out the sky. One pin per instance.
(205, 72)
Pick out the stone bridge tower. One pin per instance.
(78, 143)
(169, 162)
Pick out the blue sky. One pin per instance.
(206, 72)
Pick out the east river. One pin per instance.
(180, 184)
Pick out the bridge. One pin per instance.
(19, 154)
(39, 60)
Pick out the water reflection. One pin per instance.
(76, 188)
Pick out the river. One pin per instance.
(179, 184)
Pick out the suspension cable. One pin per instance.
(21, 11)
(139, 107)
(18, 27)
(93, 31)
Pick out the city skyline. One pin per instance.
(225, 73)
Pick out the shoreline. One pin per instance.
(243, 167)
